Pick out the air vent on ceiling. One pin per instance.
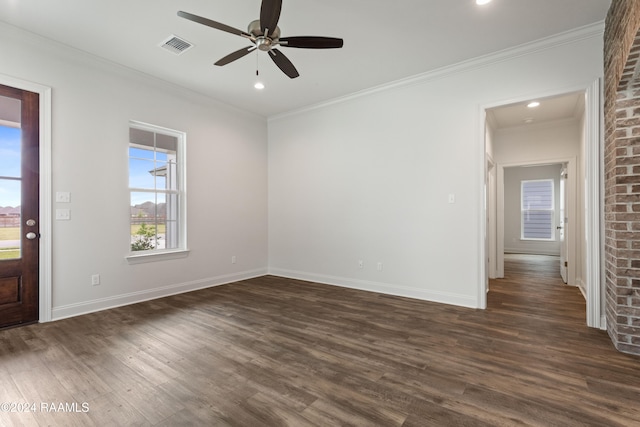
(176, 45)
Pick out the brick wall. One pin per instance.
(622, 173)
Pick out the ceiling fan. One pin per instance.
(264, 33)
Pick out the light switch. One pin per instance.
(452, 198)
(63, 214)
(63, 197)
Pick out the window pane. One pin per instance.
(143, 221)
(9, 219)
(537, 224)
(140, 153)
(538, 209)
(172, 230)
(537, 194)
(10, 159)
(156, 193)
(141, 173)
(160, 173)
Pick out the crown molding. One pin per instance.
(567, 37)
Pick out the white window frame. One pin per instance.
(181, 250)
(524, 211)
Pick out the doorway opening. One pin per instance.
(558, 134)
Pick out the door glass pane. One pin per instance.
(10, 191)
(9, 218)
(10, 152)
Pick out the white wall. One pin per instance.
(369, 177)
(92, 103)
(513, 177)
(537, 143)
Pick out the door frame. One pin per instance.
(571, 212)
(593, 203)
(45, 251)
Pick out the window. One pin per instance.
(157, 189)
(538, 211)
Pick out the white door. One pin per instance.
(562, 226)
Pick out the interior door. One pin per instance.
(19, 206)
(563, 221)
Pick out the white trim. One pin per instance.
(382, 288)
(45, 189)
(593, 201)
(157, 255)
(181, 251)
(483, 277)
(571, 36)
(594, 205)
(85, 307)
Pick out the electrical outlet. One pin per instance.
(95, 280)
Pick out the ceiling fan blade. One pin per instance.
(283, 63)
(213, 24)
(269, 15)
(311, 42)
(235, 55)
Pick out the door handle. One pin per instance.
(31, 235)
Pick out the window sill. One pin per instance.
(157, 256)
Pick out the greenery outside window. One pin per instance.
(156, 189)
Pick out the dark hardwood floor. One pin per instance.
(273, 351)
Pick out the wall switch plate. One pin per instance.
(63, 197)
(233, 259)
(452, 198)
(360, 263)
(63, 214)
(95, 279)
(379, 266)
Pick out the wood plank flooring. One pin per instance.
(281, 352)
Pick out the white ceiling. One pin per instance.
(568, 106)
(384, 41)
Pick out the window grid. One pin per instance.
(156, 190)
(537, 210)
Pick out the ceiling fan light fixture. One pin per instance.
(264, 33)
(259, 85)
(482, 2)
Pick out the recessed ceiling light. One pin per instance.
(533, 104)
(259, 85)
(482, 2)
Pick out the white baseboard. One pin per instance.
(383, 288)
(583, 289)
(86, 307)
